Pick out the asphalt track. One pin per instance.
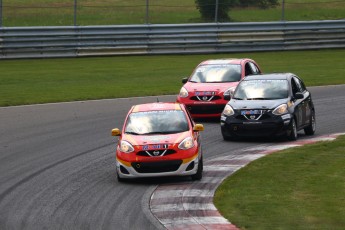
(57, 166)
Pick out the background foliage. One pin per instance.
(207, 8)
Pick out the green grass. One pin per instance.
(56, 80)
(116, 12)
(299, 188)
(295, 10)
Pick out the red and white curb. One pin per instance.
(189, 205)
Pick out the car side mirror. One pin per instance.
(227, 97)
(299, 96)
(198, 127)
(115, 132)
(184, 80)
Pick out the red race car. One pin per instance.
(159, 139)
(203, 92)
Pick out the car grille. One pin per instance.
(156, 153)
(206, 109)
(157, 167)
(205, 98)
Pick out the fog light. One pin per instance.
(190, 166)
(123, 170)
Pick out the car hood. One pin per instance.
(175, 138)
(256, 104)
(214, 87)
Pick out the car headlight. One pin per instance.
(230, 91)
(126, 147)
(187, 143)
(228, 111)
(183, 92)
(281, 109)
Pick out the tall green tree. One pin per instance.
(207, 8)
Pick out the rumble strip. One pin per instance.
(189, 205)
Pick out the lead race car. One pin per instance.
(159, 139)
(203, 92)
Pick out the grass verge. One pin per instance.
(57, 80)
(115, 12)
(299, 188)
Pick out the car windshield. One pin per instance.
(262, 90)
(217, 73)
(157, 122)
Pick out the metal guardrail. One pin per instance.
(70, 41)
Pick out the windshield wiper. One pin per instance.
(258, 98)
(166, 132)
(154, 133)
(133, 133)
(237, 98)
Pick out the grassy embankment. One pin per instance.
(299, 188)
(115, 12)
(56, 80)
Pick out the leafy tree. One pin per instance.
(207, 8)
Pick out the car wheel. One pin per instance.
(292, 131)
(227, 137)
(310, 130)
(198, 174)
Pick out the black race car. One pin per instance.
(269, 105)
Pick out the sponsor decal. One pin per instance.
(205, 93)
(204, 102)
(252, 122)
(154, 147)
(252, 112)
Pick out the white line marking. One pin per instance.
(182, 193)
(226, 168)
(183, 206)
(195, 220)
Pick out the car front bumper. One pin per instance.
(137, 169)
(274, 126)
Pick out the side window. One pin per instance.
(248, 70)
(254, 68)
(298, 84)
(294, 87)
(190, 117)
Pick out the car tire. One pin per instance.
(310, 130)
(292, 131)
(198, 174)
(227, 137)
